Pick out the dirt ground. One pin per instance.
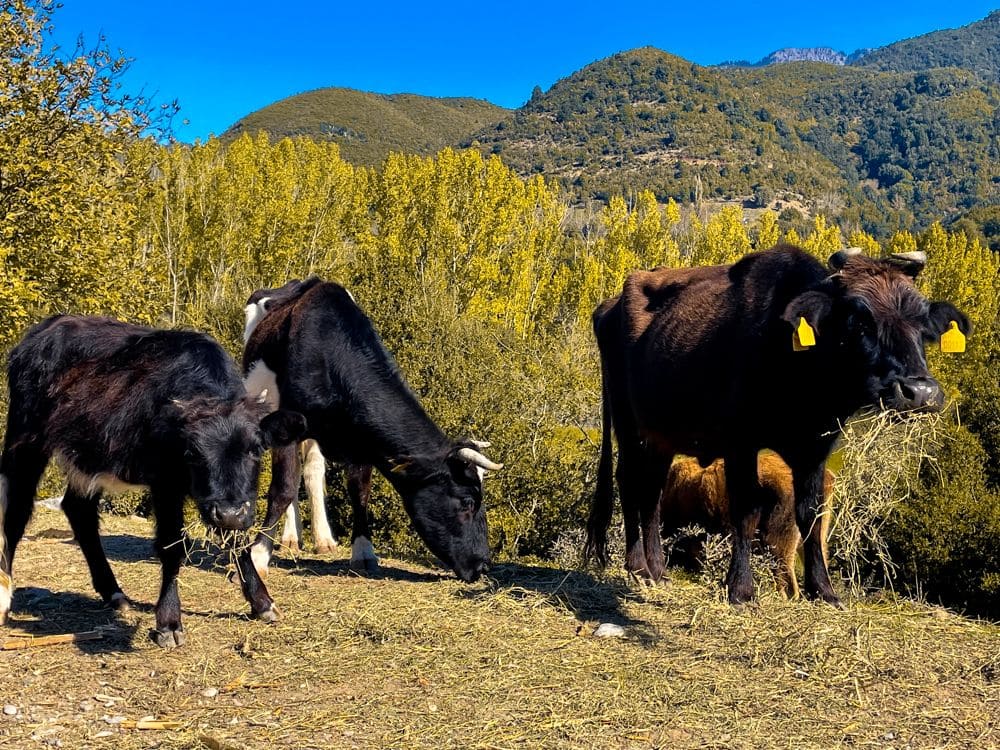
(412, 658)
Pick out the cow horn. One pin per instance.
(911, 263)
(476, 458)
(839, 258)
(480, 443)
(262, 397)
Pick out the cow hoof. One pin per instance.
(291, 545)
(4, 616)
(834, 601)
(326, 547)
(270, 615)
(167, 638)
(365, 565)
(119, 602)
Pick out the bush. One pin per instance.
(946, 539)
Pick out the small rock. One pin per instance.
(609, 630)
(210, 692)
(889, 736)
(86, 706)
(234, 721)
(113, 719)
(10, 709)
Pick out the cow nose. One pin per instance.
(919, 393)
(230, 516)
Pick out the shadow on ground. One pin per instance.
(39, 611)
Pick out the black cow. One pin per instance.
(120, 406)
(701, 361)
(359, 478)
(320, 355)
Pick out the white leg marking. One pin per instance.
(291, 535)
(314, 474)
(6, 584)
(260, 379)
(363, 555)
(261, 557)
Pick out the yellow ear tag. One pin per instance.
(803, 337)
(953, 340)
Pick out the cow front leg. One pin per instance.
(359, 488)
(810, 502)
(20, 470)
(253, 563)
(169, 509)
(314, 476)
(81, 512)
(745, 506)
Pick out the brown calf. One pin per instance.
(696, 496)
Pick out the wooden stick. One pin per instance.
(32, 641)
(150, 724)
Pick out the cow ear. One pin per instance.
(282, 427)
(940, 317)
(814, 306)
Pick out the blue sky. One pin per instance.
(224, 60)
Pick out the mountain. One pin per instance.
(975, 47)
(368, 126)
(878, 149)
(798, 54)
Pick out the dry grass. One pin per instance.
(881, 456)
(414, 659)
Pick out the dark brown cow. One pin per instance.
(694, 495)
(701, 361)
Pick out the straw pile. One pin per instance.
(412, 658)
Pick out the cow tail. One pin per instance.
(600, 511)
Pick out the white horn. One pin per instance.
(480, 443)
(914, 256)
(262, 397)
(478, 459)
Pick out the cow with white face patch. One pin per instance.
(359, 478)
(323, 358)
(121, 406)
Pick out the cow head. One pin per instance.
(224, 442)
(444, 498)
(871, 320)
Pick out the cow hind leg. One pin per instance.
(169, 510)
(81, 511)
(20, 470)
(359, 487)
(291, 533)
(640, 479)
(314, 475)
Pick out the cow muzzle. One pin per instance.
(915, 394)
(231, 517)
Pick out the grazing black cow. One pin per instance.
(359, 478)
(701, 361)
(120, 406)
(320, 355)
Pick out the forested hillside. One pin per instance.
(367, 127)
(975, 47)
(875, 150)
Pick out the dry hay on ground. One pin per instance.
(414, 659)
